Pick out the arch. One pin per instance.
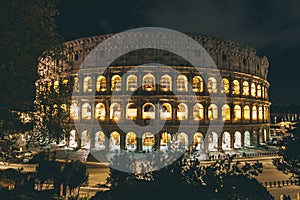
(166, 83)
(246, 112)
(265, 135)
(74, 111)
(198, 112)
(148, 82)
(198, 141)
(148, 111)
(166, 111)
(212, 112)
(260, 113)
(237, 112)
(263, 92)
(165, 141)
(213, 141)
(253, 89)
(115, 112)
(182, 141)
(99, 140)
(114, 141)
(197, 84)
(76, 84)
(85, 140)
(72, 139)
(131, 111)
(236, 87)
(100, 112)
(131, 141)
(245, 88)
(254, 113)
(226, 87)
(101, 84)
(116, 83)
(131, 83)
(258, 91)
(212, 85)
(56, 86)
(86, 111)
(182, 111)
(226, 141)
(247, 139)
(87, 84)
(182, 83)
(225, 112)
(148, 141)
(237, 140)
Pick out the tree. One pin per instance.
(187, 179)
(28, 31)
(289, 155)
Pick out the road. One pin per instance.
(99, 172)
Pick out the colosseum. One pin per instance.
(146, 93)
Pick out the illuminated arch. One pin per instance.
(116, 83)
(100, 112)
(237, 140)
(182, 83)
(165, 141)
(74, 111)
(166, 111)
(253, 89)
(148, 111)
(236, 87)
(114, 141)
(212, 112)
(226, 87)
(258, 91)
(198, 141)
(131, 83)
(198, 112)
(99, 140)
(254, 113)
(212, 85)
(87, 84)
(226, 141)
(149, 83)
(115, 112)
(101, 84)
(182, 141)
(86, 111)
(166, 83)
(197, 84)
(131, 141)
(131, 111)
(148, 141)
(225, 112)
(247, 112)
(182, 111)
(246, 88)
(237, 112)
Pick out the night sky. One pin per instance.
(270, 26)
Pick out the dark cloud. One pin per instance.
(271, 26)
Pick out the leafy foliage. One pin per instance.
(187, 179)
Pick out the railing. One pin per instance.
(282, 183)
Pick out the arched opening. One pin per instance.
(149, 83)
(87, 84)
(165, 141)
(237, 140)
(236, 87)
(76, 85)
(212, 85)
(116, 83)
(265, 135)
(182, 83)
(226, 87)
(85, 140)
(226, 112)
(114, 141)
(132, 83)
(212, 112)
(237, 112)
(246, 112)
(72, 139)
(166, 83)
(148, 141)
(182, 111)
(131, 111)
(99, 140)
(258, 91)
(182, 141)
(86, 111)
(115, 112)
(198, 143)
(74, 111)
(254, 113)
(226, 141)
(166, 111)
(131, 141)
(197, 84)
(253, 90)
(100, 112)
(101, 84)
(198, 112)
(245, 88)
(148, 111)
(56, 86)
(247, 138)
(260, 113)
(213, 142)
